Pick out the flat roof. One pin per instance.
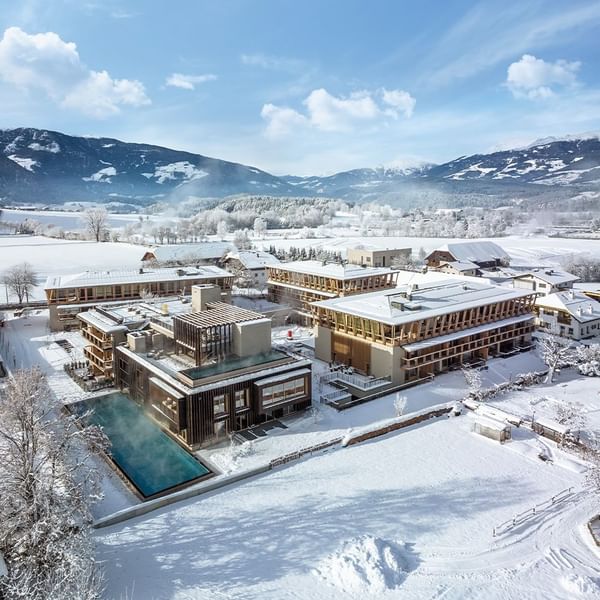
(118, 318)
(93, 278)
(408, 303)
(332, 270)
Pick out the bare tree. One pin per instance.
(260, 227)
(20, 280)
(46, 486)
(96, 223)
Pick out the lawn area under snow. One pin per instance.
(409, 516)
(50, 256)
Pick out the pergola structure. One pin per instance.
(208, 334)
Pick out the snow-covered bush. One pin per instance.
(588, 360)
(473, 379)
(399, 405)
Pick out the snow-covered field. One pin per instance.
(408, 516)
(50, 256)
(527, 251)
(68, 221)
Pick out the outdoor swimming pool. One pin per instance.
(150, 459)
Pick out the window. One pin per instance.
(219, 404)
(282, 392)
(241, 399)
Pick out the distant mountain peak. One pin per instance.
(577, 137)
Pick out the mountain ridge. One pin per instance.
(44, 166)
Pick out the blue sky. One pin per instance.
(304, 87)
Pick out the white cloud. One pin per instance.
(327, 112)
(281, 120)
(400, 100)
(188, 82)
(45, 62)
(330, 113)
(533, 77)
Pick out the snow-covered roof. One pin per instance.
(461, 265)
(125, 316)
(93, 278)
(253, 259)
(551, 276)
(553, 425)
(333, 270)
(283, 377)
(581, 307)
(200, 251)
(489, 422)
(415, 302)
(3, 569)
(476, 252)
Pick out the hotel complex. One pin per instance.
(421, 329)
(202, 370)
(300, 283)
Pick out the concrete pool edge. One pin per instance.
(198, 489)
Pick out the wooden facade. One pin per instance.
(409, 349)
(419, 329)
(298, 290)
(203, 414)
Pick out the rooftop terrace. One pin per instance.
(421, 301)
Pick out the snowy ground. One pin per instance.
(306, 430)
(50, 256)
(427, 499)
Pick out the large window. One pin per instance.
(283, 392)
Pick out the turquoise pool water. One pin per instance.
(149, 458)
(233, 364)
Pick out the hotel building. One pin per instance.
(68, 295)
(300, 283)
(421, 329)
(207, 372)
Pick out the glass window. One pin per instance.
(219, 404)
(241, 399)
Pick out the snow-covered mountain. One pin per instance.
(48, 167)
(550, 161)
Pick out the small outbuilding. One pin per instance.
(551, 429)
(490, 428)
